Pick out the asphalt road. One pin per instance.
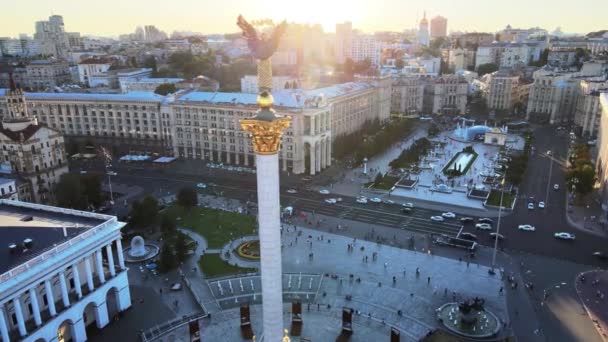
(536, 183)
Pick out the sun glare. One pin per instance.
(324, 12)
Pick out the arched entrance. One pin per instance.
(89, 318)
(65, 332)
(112, 303)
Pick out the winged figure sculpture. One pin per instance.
(261, 47)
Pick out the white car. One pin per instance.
(324, 192)
(449, 215)
(375, 200)
(564, 236)
(362, 200)
(483, 226)
(331, 201)
(389, 202)
(437, 218)
(408, 205)
(526, 227)
(541, 204)
(556, 187)
(201, 185)
(112, 173)
(531, 206)
(549, 153)
(291, 191)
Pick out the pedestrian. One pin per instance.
(428, 280)
(445, 292)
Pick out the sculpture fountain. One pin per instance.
(139, 250)
(469, 318)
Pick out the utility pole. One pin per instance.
(108, 163)
(502, 191)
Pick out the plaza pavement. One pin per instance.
(592, 289)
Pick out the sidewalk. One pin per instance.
(587, 218)
(592, 289)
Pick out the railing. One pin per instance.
(110, 221)
(196, 297)
(159, 330)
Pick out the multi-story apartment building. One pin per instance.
(508, 55)
(561, 57)
(601, 162)
(446, 95)
(509, 34)
(8, 189)
(93, 66)
(63, 272)
(588, 110)
(343, 42)
(53, 39)
(460, 59)
(439, 27)
(46, 74)
(407, 95)
(204, 125)
(366, 47)
(36, 153)
(506, 90)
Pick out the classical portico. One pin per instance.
(317, 141)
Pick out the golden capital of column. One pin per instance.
(266, 135)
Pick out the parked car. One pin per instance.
(555, 187)
(467, 220)
(526, 227)
(483, 226)
(292, 191)
(437, 218)
(201, 185)
(330, 201)
(497, 236)
(468, 236)
(564, 236)
(549, 153)
(176, 287)
(449, 215)
(600, 255)
(485, 220)
(324, 192)
(531, 206)
(362, 200)
(375, 200)
(112, 173)
(541, 205)
(408, 205)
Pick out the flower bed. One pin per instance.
(249, 250)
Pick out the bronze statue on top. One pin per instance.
(261, 48)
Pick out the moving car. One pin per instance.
(541, 204)
(531, 206)
(408, 205)
(375, 200)
(437, 218)
(112, 173)
(468, 236)
(389, 202)
(556, 187)
(485, 220)
(497, 236)
(564, 236)
(467, 220)
(201, 185)
(331, 201)
(324, 192)
(526, 227)
(483, 226)
(449, 215)
(291, 191)
(362, 200)
(176, 287)
(406, 210)
(600, 255)
(549, 153)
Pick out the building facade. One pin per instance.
(506, 90)
(249, 83)
(601, 162)
(54, 41)
(588, 110)
(423, 36)
(439, 27)
(407, 95)
(446, 95)
(58, 280)
(8, 189)
(47, 74)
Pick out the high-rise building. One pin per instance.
(52, 37)
(439, 27)
(423, 32)
(343, 42)
(153, 34)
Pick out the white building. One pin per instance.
(506, 90)
(8, 189)
(62, 272)
(407, 95)
(366, 47)
(588, 110)
(52, 37)
(423, 36)
(93, 66)
(446, 95)
(129, 85)
(249, 83)
(508, 55)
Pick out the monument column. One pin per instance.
(266, 129)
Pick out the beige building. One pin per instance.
(44, 74)
(439, 27)
(446, 95)
(407, 95)
(506, 90)
(35, 153)
(601, 162)
(588, 110)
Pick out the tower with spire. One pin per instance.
(15, 103)
(423, 31)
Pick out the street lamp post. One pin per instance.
(502, 191)
(107, 164)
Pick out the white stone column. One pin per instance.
(3, 326)
(110, 260)
(313, 159)
(19, 315)
(322, 153)
(35, 306)
(328, 152)
(64, 289)
(270, 246)
(99, 266)
(77, 284)
(89, 274)
(318, 156)
(50, 298)
(121, 257)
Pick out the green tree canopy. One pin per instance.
(165, 88)
(486, 69)
(187, 197)
(68, 191)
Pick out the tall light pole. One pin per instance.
(266, 129)
(108, 163)
(549, 180)
(502, 191)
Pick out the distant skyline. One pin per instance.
(114, 17)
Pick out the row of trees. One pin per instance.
(412, 154)
(79, 191)
(518, 164)
(581, 175)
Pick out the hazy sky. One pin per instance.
(113, 17)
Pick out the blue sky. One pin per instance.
(112, 17)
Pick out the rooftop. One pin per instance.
(6, 180)
(45, 229)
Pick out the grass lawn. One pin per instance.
(386, 183)
(217, 226)
(494, 199)
(213, 266)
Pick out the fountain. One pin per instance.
(140, 250)
(469, 318)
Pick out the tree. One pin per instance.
(91, 190)
(167, 260)
(68, 191)
(136, 215)
(399, 64)
(149, 209)
(180, 247)
(486, 68)
(165, 88)
(150, 63)
(378, 178)
(187, 197)
(167, 226)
